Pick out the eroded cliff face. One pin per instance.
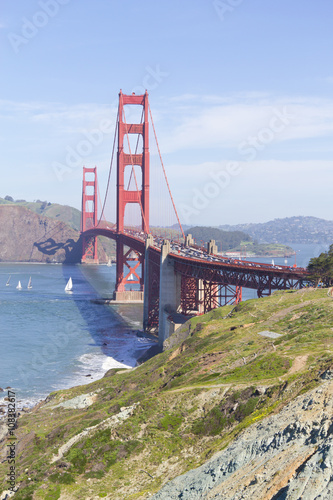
(28, 237)
(287, 456)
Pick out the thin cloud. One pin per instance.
(205, 124)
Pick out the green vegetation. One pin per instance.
(263, 249)
(191, 401)
(321, 268)
(237, 241)
(225, 240)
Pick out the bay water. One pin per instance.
(50, 339)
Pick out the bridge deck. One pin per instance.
(196, 262)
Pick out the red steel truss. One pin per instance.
(218, 294)
(201, 296)
(263, 280)
(189, 295)
(89, 215)
(138, 196)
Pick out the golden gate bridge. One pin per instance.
(172, 275)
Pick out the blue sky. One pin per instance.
(240, 90)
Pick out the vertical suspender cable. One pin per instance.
(166, 179)
(111, 162)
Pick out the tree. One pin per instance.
(9, 198)
(321, 268)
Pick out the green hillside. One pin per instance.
(63, 213)
(147, 425)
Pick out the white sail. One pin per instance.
(7, 284)
(19, 286)
(109, 264)
(69, 286)
(29, 284)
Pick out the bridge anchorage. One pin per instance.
(175, 279)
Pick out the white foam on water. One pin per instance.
(20, 403)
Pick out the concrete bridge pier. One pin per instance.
(170, 294)
(211, 247)
(149, 242)
(189, 240)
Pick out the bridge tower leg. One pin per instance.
(169, 293)
(125, 196)
(89, 215)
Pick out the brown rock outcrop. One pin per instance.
(27, 237)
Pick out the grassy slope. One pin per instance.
(187, 400)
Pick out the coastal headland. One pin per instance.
(245, 383)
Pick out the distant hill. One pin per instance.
(64, 213)
(225, 240)
(288, 230)
(27, 237)
(69, 216)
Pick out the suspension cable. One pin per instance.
(100, 204)
(110, 170)
(166, 179)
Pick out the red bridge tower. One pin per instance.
(131, 259)
(89, 216)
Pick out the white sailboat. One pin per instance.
(19, 286)
(8, 281)
(69, 286)
(29, 283)
(109, 264)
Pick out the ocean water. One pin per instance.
(50, 339)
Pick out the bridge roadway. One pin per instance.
(187, 279)
(193, 261)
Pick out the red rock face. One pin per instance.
(28, 237)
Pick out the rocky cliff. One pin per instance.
(286, 456)
(28, 237)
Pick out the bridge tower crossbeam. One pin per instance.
(89, 216)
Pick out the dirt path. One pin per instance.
(281, 314)
(298, 364)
